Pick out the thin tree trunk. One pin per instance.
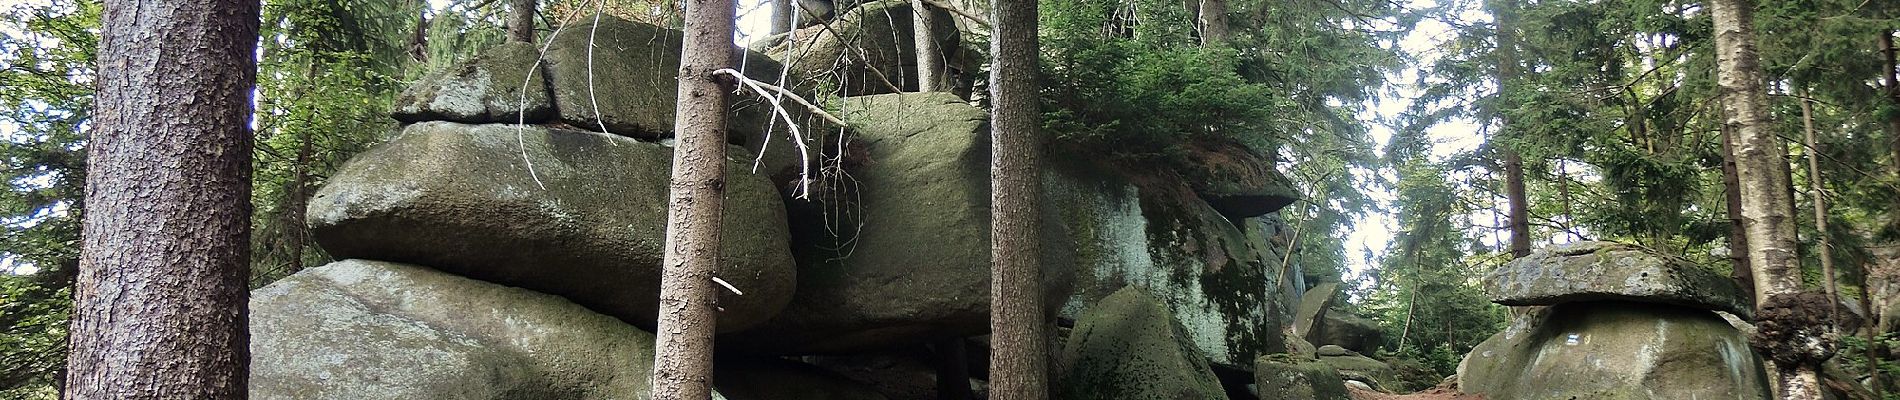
(1819, 193)
(1889, 57)
(1018, 355)
(1213, 18)
(1761, 162)
(1738, 233)
(929, 57)
(521, 22)
(1506, 13)
(160, 300)
(297, 233)
(683, 350)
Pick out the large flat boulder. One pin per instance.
(576, 214)
(503, 85)
(358, 329)
(902, 254)
(1615, 350)
(1589, 271)
(622, 77)
(1129, 347)
(1237, 179)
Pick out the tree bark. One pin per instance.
(1213, 19)
(1506, 13)
(1819, 194)
(1892, 75)
(929, 57)
(682, 368)
(1018, 356)
(160, 301)
(521, 22)
(1761, 165)
(1738, 232)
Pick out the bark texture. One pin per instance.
(521, 22)
(1019, 354)
(1891, 60)
(1818, 192)
(1213, 19)
(683, 349)
(1762, 171)
(929, 58)
(1738, 231)
(1519, 214)
(160, 302)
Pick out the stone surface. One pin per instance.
(631, 80)
(1130, 347)
(1237, 180)
(503, 85)
(863, 49)
(1333, 351)
(1222, 282)
(1297, 380)
(587, 223)
(1615, 350)
(901, 256)
(1350, 331)
(358, 329)
(1357, 367)
(1313, 306)
(773, 379)
(1586, 271)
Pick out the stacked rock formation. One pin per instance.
(1614, 321)
(506, 244)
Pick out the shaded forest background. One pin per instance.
(1614, 113)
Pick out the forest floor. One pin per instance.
(1428, 394)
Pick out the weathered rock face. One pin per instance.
(1348, 331)
(1361, 368)
(629, 74)
(1238, 181)
(912, 263)
(1615, 350)
(1218, 280)
(503, 85)
(586, 223)
(1130, 347)
(374, 330)
(866, 51)
(1587, 271)
(1297, 380)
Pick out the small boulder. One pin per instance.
(1129, 346)
(358, 329)
(1357, 367)
(1276, 379)
(1334, 351)
(576, 214)
(1615, 350)
(628, 72)
(1587, 271)
(503, 85)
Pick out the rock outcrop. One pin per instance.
(1287, 378)
(868, 50)
(374, 330)
(506, 84)
(1238, 180)
(577, 214)
(1129, 346)
(1615, 350)
(1586, 271)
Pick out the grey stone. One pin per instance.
(1357, 367)
(1350, 331)
(503, 85)
(1299, 380)
(628, 71)
(1313, 306)
(1586, 271)
(1618, 351)
(1237, 180)
(1333, 351)
(587, 223)
(901, 256)
(358, 329)
(866, 51)
(1130, 347)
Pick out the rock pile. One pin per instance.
(490, 260)
(1614, 321)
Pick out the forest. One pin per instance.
(951, 199)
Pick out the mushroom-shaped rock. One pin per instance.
(1237, 180)
(576, 214)
(358, 329)
(1615, 350)
(1129, 346)
(1587, 271)
(503, 85)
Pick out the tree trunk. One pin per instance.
(521, 22)
(782, 13)
(1738, 233)
(1018, 355)
(1506, 13)
(1761, 165)
(1213, 18)
(929, 58)
(1892, 73)
(160, 301)
(1819, 193)
(683, 350)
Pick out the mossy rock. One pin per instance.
(503, 85)
(1615, 350)
(1277, 379)
(629, 72)
(1588, 271)
(1129, 347)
